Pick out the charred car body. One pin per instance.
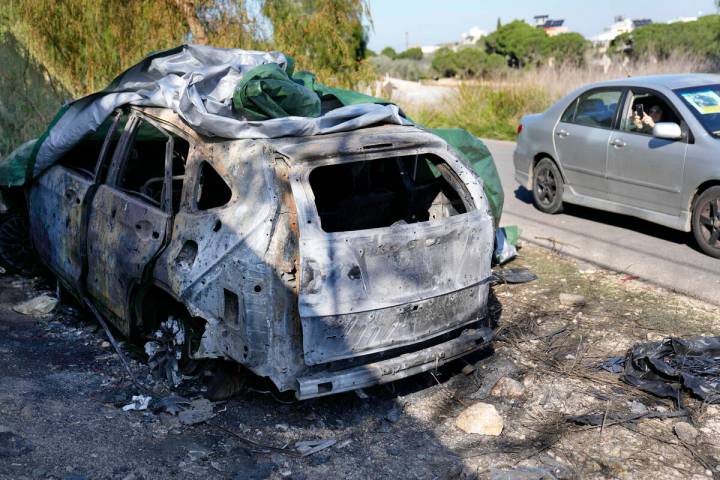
(325, 263)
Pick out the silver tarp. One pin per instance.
(198, 83)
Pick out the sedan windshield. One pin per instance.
(704, 102)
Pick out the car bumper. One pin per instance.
(402, 366)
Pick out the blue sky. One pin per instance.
(429, 22)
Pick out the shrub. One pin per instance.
(412, 54)
(389, 52)
(485, 111)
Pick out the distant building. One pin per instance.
(551, 26)
(430, 49)
(620, 26)
(472, 36)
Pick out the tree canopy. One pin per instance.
(84, 44)
(700, 38)
(522, 44)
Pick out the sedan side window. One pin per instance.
(644, 109)
(597, 108)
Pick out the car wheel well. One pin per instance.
(153, 305)
(700, 190)
(540, 156)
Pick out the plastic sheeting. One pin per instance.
(664, 368)
(198, 82)
(233, 93)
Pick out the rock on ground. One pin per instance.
(480, 418)
(572, 300)
(507, 387)
(686, 432)
(40, 305)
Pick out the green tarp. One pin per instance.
(14, 167)
(476, 154)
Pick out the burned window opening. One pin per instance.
(144, 170)
(388, 191)
(84, 156)
(213, 191)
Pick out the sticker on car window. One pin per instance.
(704, 101)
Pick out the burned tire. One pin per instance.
(16, 252)
(706, 221)
(547, 187)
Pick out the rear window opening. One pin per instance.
(388, 191)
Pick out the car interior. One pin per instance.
(144, 169)
(597, 109)
(383, 192)
(645, 103)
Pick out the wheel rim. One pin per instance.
(546, 186)
(709, 217)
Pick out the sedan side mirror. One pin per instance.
(667, 130)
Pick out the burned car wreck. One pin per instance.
(325, 263)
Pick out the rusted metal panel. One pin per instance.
(56, 203)
(124, 234)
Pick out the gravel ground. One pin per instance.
(63, 390)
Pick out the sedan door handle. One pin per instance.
(618, 143)
(562, 133)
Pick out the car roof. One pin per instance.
(670, 81)
(377, 138)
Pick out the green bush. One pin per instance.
(567, 48)
(487, 112)
(467, 62)
(444, 62)
(389, 52)
(411, 54)
(401, 68)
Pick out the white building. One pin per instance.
(621, 25)
(472, 36)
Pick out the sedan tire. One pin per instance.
(547, 187)
(706, 221)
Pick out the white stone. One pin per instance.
(40, 305)
(480, 418)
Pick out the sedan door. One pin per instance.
(644, 171)
(129, 218)
(581, 140)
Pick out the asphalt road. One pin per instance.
(657, 254)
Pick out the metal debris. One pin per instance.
(308, 447)
(139, 402)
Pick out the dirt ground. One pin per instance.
(62, 389)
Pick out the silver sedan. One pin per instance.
(645, 146)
